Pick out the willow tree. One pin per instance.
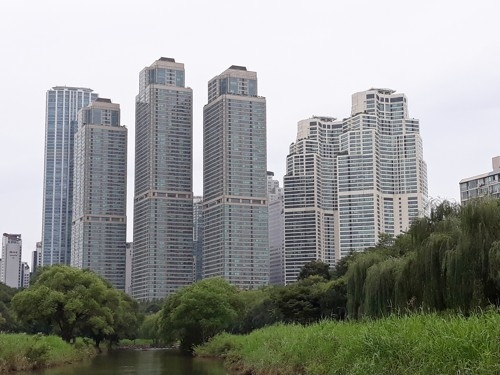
(380, 287)
(355, 279)
(471, 280)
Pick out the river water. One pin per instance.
(140, 362)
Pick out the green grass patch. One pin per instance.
(406, 345)
(28, 352)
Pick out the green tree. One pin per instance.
(69, 299)
(301, 302)
(315, 268)
(7, 317)
(198, 312)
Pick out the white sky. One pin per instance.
(310, 56)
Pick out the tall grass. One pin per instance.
(28, 352)
(416, 344)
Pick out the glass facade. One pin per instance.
(100, 192)
(63, 104)
(234, 180)
(163, 198)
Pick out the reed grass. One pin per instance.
(415, 344)
(28, 352)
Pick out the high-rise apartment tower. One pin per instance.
(63, 104)
(99, 228)
(163, 197)
(349, 181)
(381, 173)
(234, 180)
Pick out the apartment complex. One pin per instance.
(62, 106)
(99, 226)
(234, 180)
(10, 266)
(483, 185)
(349, 181)
(163, 198)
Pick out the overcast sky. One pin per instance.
(310, 56)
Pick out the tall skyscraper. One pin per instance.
(163, 198)
(198, 237)
(10, 268)
(128, 267)
(310, 185)
(349, 181)
(276, 231)
(483, 185)
(234, 180)
(100, 192)
(63, 104)
(382, 176)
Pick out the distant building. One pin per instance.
(100, 192)
(483, 185)
(25, 275)
(36, 258)
(276, 231)
(198, 237)
(128, 267)
(163, 197)
(10, 273)
(236, 245)
(63, 104)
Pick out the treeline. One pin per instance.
(448, 261)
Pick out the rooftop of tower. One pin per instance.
(238, 67)
(383, 91)
(104, 100)
(169, 59)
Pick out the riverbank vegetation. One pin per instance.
(29, 352)
(415, 344)
(446, 264)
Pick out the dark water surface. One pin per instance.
(143, 362)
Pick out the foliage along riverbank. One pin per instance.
(29, 352)
(416, 344)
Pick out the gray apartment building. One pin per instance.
(483, 185)
(62, 106)
(163, 197)
(99, 226)
(275, 196)
(234, 180)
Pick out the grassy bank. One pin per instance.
(27, 352)
(417, 344)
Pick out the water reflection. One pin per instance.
(140, 362)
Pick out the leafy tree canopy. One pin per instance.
(75, 301)
(315, 268)
(198, 312)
